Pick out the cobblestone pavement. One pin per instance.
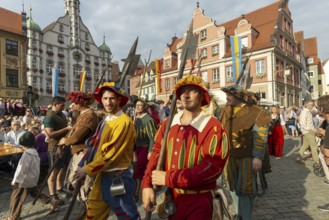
(294, 193)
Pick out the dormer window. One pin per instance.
(203, 34)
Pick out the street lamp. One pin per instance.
(29, 93)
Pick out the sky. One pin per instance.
(155, 22)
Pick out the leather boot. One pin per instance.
(53, 206)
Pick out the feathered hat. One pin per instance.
(114, 88)
(79, 97)
(248, 97)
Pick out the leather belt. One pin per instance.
(113, 173)
(187, 191)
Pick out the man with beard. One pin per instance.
(196, 154)
(247, 127)
(113, 145)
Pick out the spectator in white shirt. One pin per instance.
(14, 135)
(308, 130)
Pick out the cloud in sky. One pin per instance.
(156, 22)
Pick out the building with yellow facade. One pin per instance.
(13, 47)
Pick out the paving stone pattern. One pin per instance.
(294, 193)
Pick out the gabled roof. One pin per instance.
(299, 38)
(149, 68)
(10, 21)
(311, 47)
(311, 51)
(49, 27)
(263, 20)
(325, 61)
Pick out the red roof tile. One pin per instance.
(10, 21)
(262, 20)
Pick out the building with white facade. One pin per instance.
(68, 44)
(325, 65)
(314, 68)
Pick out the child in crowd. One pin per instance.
(26, 175)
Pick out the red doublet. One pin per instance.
(195, 156)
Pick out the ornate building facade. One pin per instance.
(67, 44)
(267, 37)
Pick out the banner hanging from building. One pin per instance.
(158, 66)
(82, 80)
(55, 75)
(236, 49)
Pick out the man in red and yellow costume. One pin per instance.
(196, 154)
(113, 146)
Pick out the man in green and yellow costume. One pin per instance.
(247, 128)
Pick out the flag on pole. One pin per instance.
(55, 74)
(236, 50)
(158, 64)
(82, 80)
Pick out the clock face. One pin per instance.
(77, 56)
